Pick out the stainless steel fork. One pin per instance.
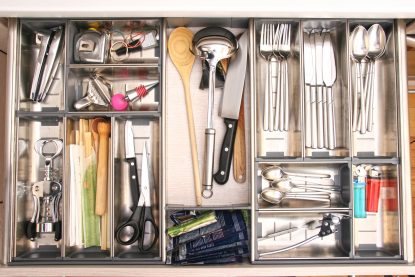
(284, 48)
(266, 51)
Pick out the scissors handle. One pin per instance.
(149, 231)
(128, 232)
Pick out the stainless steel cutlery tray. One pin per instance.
(159, 120)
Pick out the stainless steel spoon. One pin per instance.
(377, 46)
(285, 185)
(275, 196)
(275, 173)
(359, 49)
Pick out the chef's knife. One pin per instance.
(131, 159)
(229, 109)
(329, 78)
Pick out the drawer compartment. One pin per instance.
(38, 182)
(303, 185)
(280, 236)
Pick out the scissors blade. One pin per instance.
(145, 177)
(129, 140)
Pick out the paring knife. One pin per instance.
(131, 159)
(229, 109)
(329, 78)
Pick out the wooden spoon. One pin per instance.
(104, 129)
(179, 45)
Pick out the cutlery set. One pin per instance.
(319, 76)
(366, 46)
(275, 48)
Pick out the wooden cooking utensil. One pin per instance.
(104, 129)
(94, 129)
(239, 152)
(179, 45)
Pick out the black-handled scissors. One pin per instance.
(140, 226)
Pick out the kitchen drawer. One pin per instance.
(159, 122)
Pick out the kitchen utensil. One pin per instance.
(376, 48)
(46, 194)
(266, 51)
(285, 185)
(359, 49)
(104, 130)
(275, 173)
(140, 226)
(179, 45)
(212, 44)
(310, 92)
(284, 50)
(330, 224)
(91, 47)
(318, 41)
(230, 107)
(329, 78)
(98, 93)
(239, 152)
(130, 158)
(120, 101)
(275, 196)
(220, 75)
(94, 129)
(47, 62)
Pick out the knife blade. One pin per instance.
(319, 83)
(230, 106)
(329, 78)
(131, 160)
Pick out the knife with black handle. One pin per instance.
(229, 110)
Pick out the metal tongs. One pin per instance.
(46, 194)
(98, 93)
(47, 62)
(328, 225)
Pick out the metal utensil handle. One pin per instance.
(287, 105)
(301, 197)
(282, 95)
(289, 247)
(313, 117)
(307, 104)
(266, 102)
(369, 106)
(208, 165)
(355, 96)
(277, 96)
(320, 121)
(362, 101)
(325, 119)
(270, 93)
(331, 123)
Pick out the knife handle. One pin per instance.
(320, 137)
(239, 150)
(226, 152)
(313, 117)
(331, 121)
(208, 165)
(133, 176)
(307, 103)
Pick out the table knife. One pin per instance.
(319, 82)
(229, 109)
(329, 78)
(308, 78)
(313, 97)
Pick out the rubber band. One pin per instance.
(112, 50)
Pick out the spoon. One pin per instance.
(212, 44)
(377, 46)
(285, 185)
(275, 173)
(275, 196)
(179, 44)
(359, 48)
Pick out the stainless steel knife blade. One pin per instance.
(319, 58)
(129, 140)
(234, 84)
(308, 60)
(329, 62)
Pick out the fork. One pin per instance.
(266, 51)
(284, 50)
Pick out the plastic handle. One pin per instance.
(57, 226)
(226, 153)
(31, 230)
